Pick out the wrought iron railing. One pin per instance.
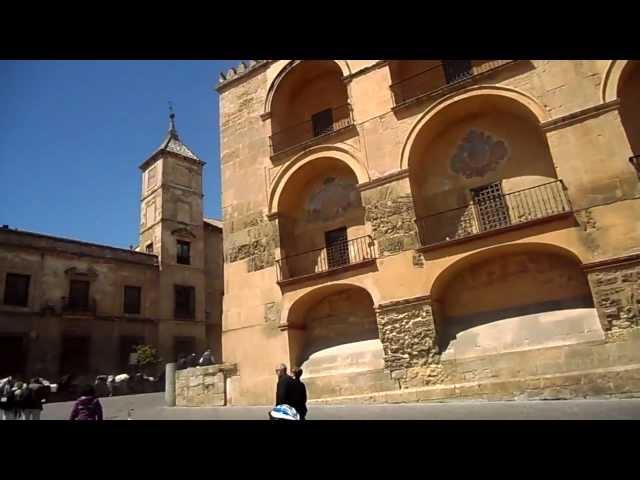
(501, 211)
(439, 79)
(78, 308)
(335, 256)
(301, 133)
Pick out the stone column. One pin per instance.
(408, 336)
(389, 209)
(170, 385)
(615, 286)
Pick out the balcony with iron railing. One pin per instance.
(494, 214)
(311, 131)
(440, 79)
(322, 261)
(71, 307)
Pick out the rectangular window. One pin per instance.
(16, 289)
(132, 297)
(337, 247)
(185, 301)
(184, 252)
(491, 207)
(149, 247)
(79, 294)
(456, 70)
(322, 122)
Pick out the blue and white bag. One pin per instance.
(284, 412)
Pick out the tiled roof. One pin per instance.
(172, 143)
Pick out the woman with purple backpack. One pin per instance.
(87, 407)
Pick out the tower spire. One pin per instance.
(172, 122)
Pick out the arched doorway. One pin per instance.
(513, 298)
(333, 335)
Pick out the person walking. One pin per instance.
(285, 389)
(300, 393)
(7, 399)
(33, 399)
(19, 393)
(87, 407)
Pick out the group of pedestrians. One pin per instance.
(192, 361)
(291, 395)
(21, 400)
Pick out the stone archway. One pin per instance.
(513, 298)
(333, 336)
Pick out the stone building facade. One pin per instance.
(449, 225)
(71, 307)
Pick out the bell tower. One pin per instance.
(171, 227)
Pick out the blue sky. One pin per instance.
(72, 134)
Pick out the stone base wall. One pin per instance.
(616, 294)
(617, 382)
(408, 335)
(203, 386)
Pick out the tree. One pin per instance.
(148, 358)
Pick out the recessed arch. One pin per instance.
(527, 101)
(549, 301)
(340, 153)
(333, 334)
(445, 275)
(611, 80)
(286, 68)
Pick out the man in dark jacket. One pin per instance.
(300, 393)
(33, 399)
(285, 388)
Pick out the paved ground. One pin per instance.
(151, 407)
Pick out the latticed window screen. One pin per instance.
(455, 70)
(337, 247)
(491, 208)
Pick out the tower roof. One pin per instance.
(173, 144)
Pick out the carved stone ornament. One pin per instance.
(478, 154)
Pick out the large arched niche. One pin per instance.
(319, 197)
(286, 67)
(333, 331)
(302, 91)
(473, 142)
(344, 154)
(512, 298)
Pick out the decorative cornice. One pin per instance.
(388, 178)
(612, 262)
(580, 115)
(405, 302)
